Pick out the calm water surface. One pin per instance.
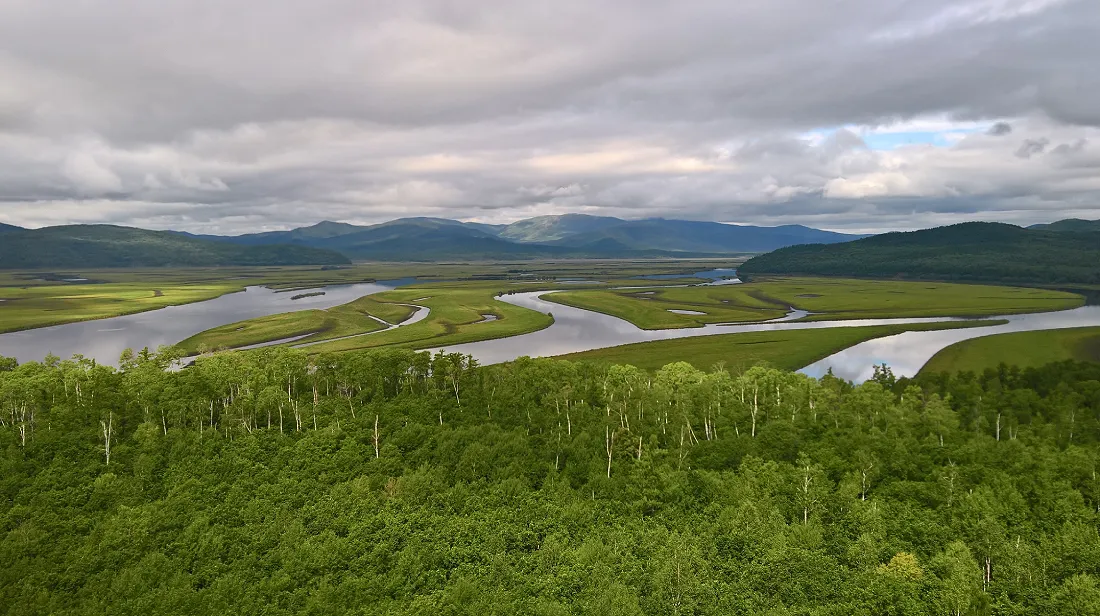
(576, 330)
(105, 339)
(906, 353)
(718, 276)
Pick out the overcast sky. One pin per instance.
(243, 115)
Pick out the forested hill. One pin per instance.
(111, 246)
(396, 483)
(405, 239)
(980, 251)
(1069, 224)
(566, 236)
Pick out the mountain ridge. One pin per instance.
(107, 246)
(405, 239)
(1069, 225)
(564, 236)
(974, 251)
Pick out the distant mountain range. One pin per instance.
(566, 236)
(1062, 251)
(978, 251)
(1069, 225)
(98, 246)
(406, 239)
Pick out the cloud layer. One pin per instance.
(240, 115)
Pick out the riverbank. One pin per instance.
(31, 299)
(1021, 349)
(24, 309)
(826, 299)
(783, 349)
(364, 315)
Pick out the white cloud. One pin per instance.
(238, 115)
(966, 14)
(89, 176)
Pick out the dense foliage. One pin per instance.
(91, 246)
(398, 483)
(568, 235)
(1070, 224)
(405, 239)
(969, 251)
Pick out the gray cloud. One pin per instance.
(238, 115)
(1031, 147)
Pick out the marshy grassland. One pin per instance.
(826, 298)
(38, 298)
(1022, 349)
(786, 350)
(361, 316)
(460, 295)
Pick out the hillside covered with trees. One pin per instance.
(1069, 224)
(565, 236)
(399, 483)
(978, 251)
(92, 246)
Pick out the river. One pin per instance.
(576, 330)
(907, 352)
(105, 339)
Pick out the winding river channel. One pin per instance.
(574, 330)
(105, 339)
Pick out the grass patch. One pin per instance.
(874, 299)
(788, 350)
(649, 308)
(1023, 349)
(831, 298)
(43, 306)
(455, 317)
(41, 298)
(357, 317)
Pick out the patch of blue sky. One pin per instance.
(934, 131)
(894, 140)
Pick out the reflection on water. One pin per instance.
(906, 353)
(718, 275)
(105, 339)
(576, 330)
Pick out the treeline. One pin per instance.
(101, 246)
(393, 482)
(977, 251)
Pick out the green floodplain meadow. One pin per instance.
(460, 297)
(824, 298)
(1020, 349)
(458, 310)
(38, 298)
(787, 350)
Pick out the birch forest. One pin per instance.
(392, 482)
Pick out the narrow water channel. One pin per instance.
(105, 339)
(907, 352)
(576, 330)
